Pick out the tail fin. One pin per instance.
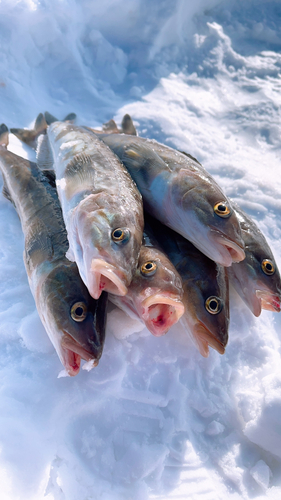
(49, 118)
(110, 127)
(30, 136)
(4, 135)
(70, 118)
(128, 126)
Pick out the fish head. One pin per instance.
(207, 216)
(257, 279)
(74, 321)
(206, 300)
(156, 291)
(111, 241)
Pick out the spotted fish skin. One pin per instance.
(258, 288)
(155, 293)
(54, 280)
(97, 196)
(180, 193)
(201, 278)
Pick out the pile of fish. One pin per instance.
(106, 213)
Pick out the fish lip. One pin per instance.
(236, 254)
(100, 268)
(70, 344)
(268, 300)
(177, 311)
(206, 339)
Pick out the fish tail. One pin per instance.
(4, 135)
(128, 125)
(29, 137)
(110, 127)
(50, 118)
(70, 118)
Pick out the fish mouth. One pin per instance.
(204, 338)
(103, 276)
(160, 312)
(72, 354)
(268, 300)
(230, 252)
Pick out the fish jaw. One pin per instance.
(105, 277)
(160, 312)
(71, 354)
(229, 252)
(204, 339)
(268, 300)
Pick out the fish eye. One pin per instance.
(148, 268)
(120, 236)
(268, 267)
(213, 305)
(222, 209)
(79, 311)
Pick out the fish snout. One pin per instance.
(204, 338)
(230, 251)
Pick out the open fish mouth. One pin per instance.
(204, 338)
(230, 252)
(72, 354)
(268, 300)
(160, 313)
(103, 276)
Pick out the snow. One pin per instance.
(154, 420)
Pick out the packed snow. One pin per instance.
(154, 420)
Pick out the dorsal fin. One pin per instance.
(30, 136)
(4, 135)
(110, 127)
(128, 126)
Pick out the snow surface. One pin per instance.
(154, 420)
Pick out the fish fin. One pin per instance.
(50, 118)
(30, 137)
(81, 167)
(50, 176)
(38, 245)
(4, 135)
(128, 126)
(70, 118)
(189, 156)
(110, 127)
(40, 125)
(44, 155)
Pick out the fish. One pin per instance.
(102, 209)
(257, 278)
(178, 191)
(74, 321)
(205, 286)
(155, 293)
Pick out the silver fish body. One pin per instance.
(180, 193)
(74, 321)
(257, 278)
(102, 208)
(206, 291)
(155, 293)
